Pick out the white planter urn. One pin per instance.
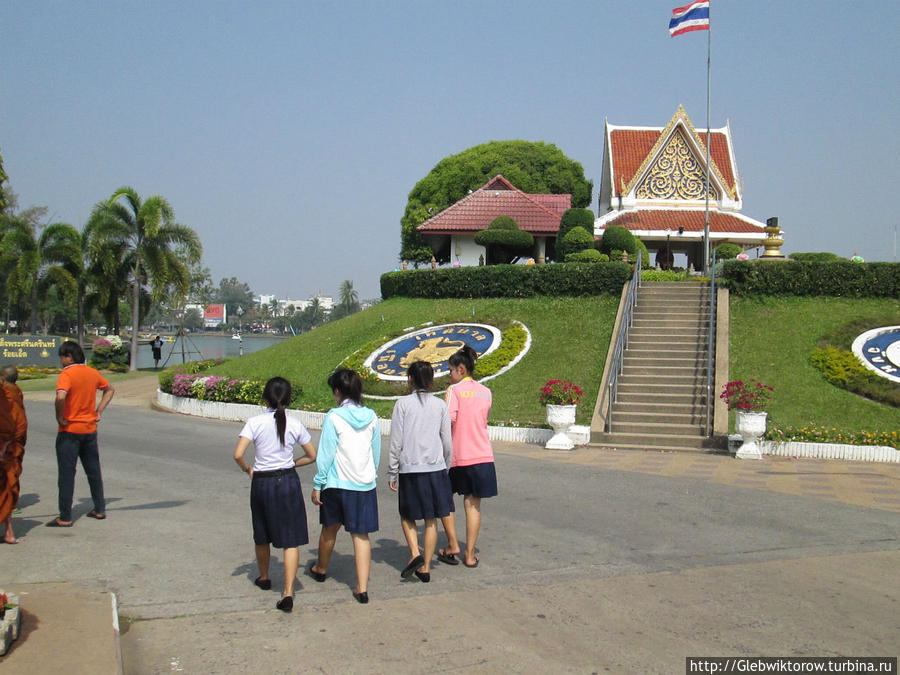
(560, 417)
(750, 425)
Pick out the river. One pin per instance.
(197, 347)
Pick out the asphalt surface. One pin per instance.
(584, 567)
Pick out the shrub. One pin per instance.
(508, 281)
(815, 434)
(842, 368)
(645, 254)
(617, 238)
(577, 239)
(727, 251)
(573, 218)
(504, 240)
(110, 353)
(587, 255)
(816, 257)
(790, 277)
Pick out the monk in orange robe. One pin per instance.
(13, 432)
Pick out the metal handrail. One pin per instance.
(710, 349)
(615, 369)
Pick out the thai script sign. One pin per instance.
(879, 351)
(434, 344)
(29, 350)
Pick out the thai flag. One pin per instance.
(694, 16)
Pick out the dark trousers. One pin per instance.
(69, 448)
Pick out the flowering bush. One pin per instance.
(815, 434)
(219, 388)
(5, 604)
(560, 392)
(110, 353)
(746, 396)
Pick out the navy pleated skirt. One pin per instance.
(423, 496)
(278, 511)
(356, 511)
(478, 480)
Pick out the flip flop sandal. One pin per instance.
(57, 523)
(98, 516)
(447, 558)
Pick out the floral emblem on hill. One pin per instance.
(879, 351)
(435, 344)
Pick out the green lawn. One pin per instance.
(570, 338)
(771, 340)
(49, 383)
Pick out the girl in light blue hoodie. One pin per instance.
(344, 487)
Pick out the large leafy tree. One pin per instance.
(532, 167)
(348, 303)
(234, 294)
(157, 251)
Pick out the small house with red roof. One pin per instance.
(654, 184)
(451, 233)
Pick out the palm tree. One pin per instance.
(35, 263)
(349, 297)
(156, 250)
(62, 247)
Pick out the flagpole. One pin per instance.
(706, 220)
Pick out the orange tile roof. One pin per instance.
(690, 220)
(535, 213)
(630, 147)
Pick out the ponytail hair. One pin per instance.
(277, 394)
(421, 375)
(464, 357)
(348, 383)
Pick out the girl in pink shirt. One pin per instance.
(472, 472)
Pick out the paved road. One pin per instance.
(584, 567)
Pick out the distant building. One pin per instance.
(451, 233)
(653, 183)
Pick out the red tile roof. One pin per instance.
(631, 146)
(535, 213)
(690, 220)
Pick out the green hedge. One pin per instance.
(508, 281)
(790, 277)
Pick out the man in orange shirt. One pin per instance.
(76, 396)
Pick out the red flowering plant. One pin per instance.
(560, 392)
(746, 396)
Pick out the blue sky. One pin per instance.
(289, 134)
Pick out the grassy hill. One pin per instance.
(570, 340)
(771, 340)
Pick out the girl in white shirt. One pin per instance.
(276, 502)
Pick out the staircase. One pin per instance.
(661, 402)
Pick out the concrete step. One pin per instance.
(678, 349)
(660, 407)
(660, 382)
(628, 440)
(688, 373)
(665, 334)
(649, 420)
(682, 397)
(606, 441)
(668, 322)
(662, 429)
(664, 360)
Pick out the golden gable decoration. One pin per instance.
(680, 124)
(676, 174)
